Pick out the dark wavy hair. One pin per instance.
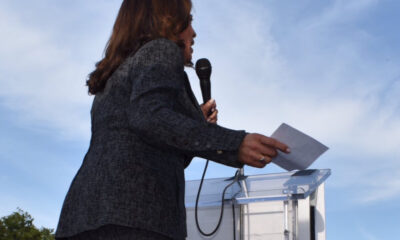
(138, 22)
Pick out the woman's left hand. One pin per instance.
(210, 107)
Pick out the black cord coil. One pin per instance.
(222, 205)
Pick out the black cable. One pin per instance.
(222, 203)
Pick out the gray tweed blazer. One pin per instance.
(146, 128)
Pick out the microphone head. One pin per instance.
(203, 68)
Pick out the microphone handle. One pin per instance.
(206, 92)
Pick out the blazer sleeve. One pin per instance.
(155, 114)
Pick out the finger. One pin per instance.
(266, 150)
(208, 108)
(257, 164)
(275, 143)
(212, 120)
(214, 106)
(205, 107)
(210, 104)
(267, 159)
(258, 160)
(249, 158)
(213, 115)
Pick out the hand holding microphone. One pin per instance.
(256, 150)
(209, 106)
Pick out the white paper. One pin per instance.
(304, 150)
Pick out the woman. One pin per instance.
(146, 128)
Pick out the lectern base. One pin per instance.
(302, 219)
(274, 207)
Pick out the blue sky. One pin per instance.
(329, 68)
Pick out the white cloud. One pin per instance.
(343, 11)
(41, 80)
(366, 180)
(382, 189)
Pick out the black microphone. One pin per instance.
(203, 71)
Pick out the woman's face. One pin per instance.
(187, 37)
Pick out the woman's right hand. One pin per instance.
(257, 150)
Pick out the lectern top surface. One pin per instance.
(257, 188)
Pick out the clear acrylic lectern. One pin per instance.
(284, 206)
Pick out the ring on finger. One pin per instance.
(262, 159)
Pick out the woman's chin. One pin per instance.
(188, 58)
